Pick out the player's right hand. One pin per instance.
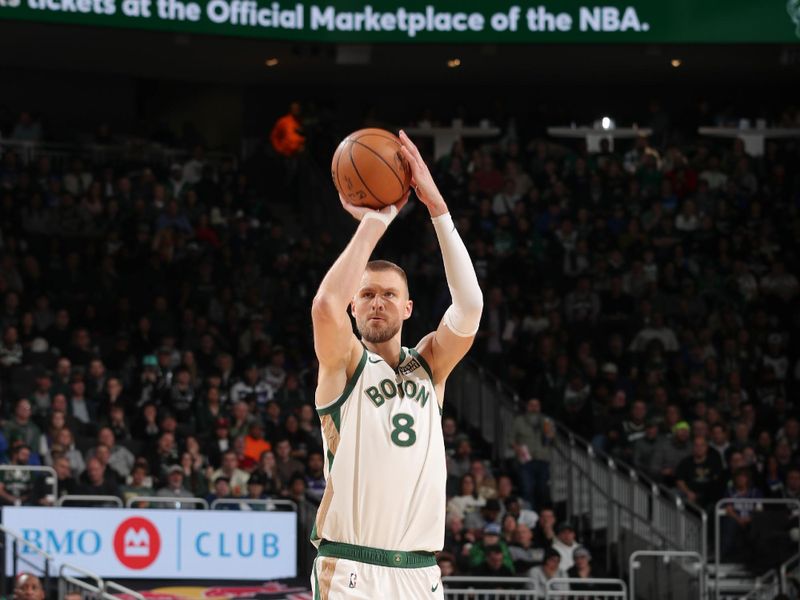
(388, 212)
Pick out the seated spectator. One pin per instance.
(94, 481)
(254, 442)
(21, 426)
(565, 544)
(230, 469)
(645, 449)
(523, 552)
(521, 515)
(268, 467)
(545, 532)
(65, 445)
(735, 525)
(120, 459)
(163, 457)
(671, 452)
(137, 484)
(489, 513)
(446, 563)
(484, 482)
(698, 476)
(16, 485)
(174, 487)
(315, 477)
(494, 564)
(194, 478)
(43, 490)
(491, 539)
(468, 500)
(531, 436)
(456, 537)
(256, 485)
(549, 569)
(28, 587)
(583, 569)
(287, 466)
(222, 491)
(219, 443)
(459, 462)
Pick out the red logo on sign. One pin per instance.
(137, 543)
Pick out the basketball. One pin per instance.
(369, 170)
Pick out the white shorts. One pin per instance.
(341, 578)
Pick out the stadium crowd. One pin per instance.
(156, 332)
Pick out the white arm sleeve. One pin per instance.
(463, 316)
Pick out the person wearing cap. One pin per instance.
(491, 512)
(256, 486)
(494, 565)
(252, 384)
(549, 569)
(491, 536)
(174, 486)
(671, 452)
(221, 490)
(644, 450)
(565, 543)
(584, 569)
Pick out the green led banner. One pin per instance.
(664, 21)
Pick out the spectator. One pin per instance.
(256, 485)
(523, 552)
(698, 476)
(565, 543)
(315, 477)
(230, 469)
(95, 482)
(735, 524)
(121, 459)
(16, 485)
(268, 467)
(286, 137)
(523, 516)
(137, 483)
(549, 569)
(478, 553)
(42, 488)
(671, 452)
(28, 587)
(21, 427)
(583, 569)
(174, 487)
(494, 564)
(531, 436)
(221, 491)
(488, 514)
(254, 443)
(287, 466)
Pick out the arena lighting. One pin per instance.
(454, 62)
(271, 62)
(676, 62)
(606, 123)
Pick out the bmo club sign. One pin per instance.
(153, 544)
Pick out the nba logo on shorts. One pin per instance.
(352, 580)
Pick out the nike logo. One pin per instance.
(434, 587)
(375, 361)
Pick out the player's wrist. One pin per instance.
(384, 216)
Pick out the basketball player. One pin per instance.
(382, 515)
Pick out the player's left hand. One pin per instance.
(358, 212)
(421, 178)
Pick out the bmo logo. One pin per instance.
(137, 543)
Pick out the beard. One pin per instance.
(376, 334)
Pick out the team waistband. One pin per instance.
(377, 556)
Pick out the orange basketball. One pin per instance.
(369, 170)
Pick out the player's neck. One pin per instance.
(388, 350)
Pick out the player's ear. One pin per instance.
(409, 308)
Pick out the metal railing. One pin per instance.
(488, 588)
(167, 502)
(757, 504)
(786, 569)
(17, 540)
(114, 501)
(52, 480)
(146, 152)
(561, 587)
(267, 503)
(765, 587)
(91, 585)
(634, 563)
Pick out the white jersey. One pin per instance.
(385, 460)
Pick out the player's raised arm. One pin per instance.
(334, 342)
(449, 343)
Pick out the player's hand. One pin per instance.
(359, 212)
(421, 178)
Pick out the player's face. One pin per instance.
(381, 305)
